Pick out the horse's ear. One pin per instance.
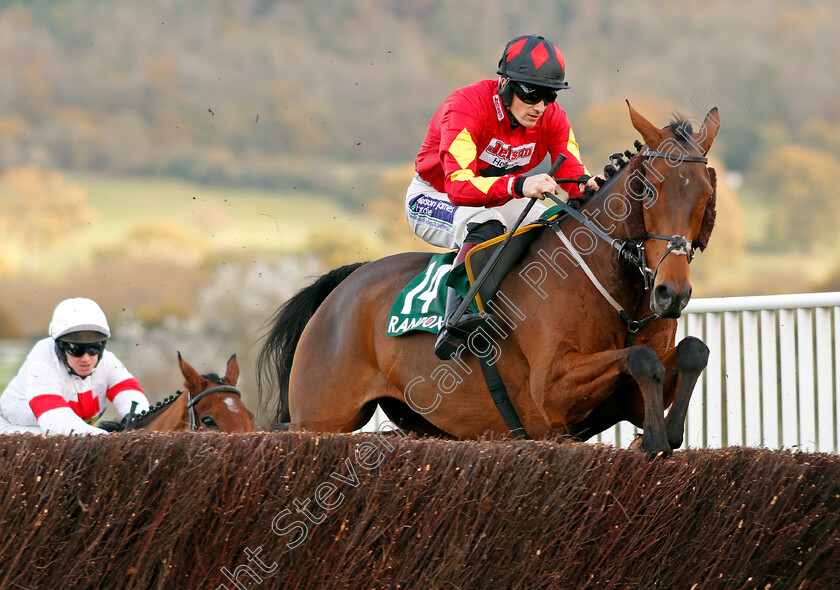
(706, 135)
(651, 134)
(192, 380)
(232, 373)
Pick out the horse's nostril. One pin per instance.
(669, 302)
(663, 296)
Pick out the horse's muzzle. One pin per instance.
(668, 302)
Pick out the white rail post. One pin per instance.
(805, 359)
(732, 377)
(752, 384)
(787, 364)
(695, 427)
(771, 420)
(714, 400)
(825, 394)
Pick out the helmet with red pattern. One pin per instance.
(534, 60)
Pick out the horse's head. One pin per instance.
(214, 402)
(678, 207)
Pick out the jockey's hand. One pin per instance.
(593, 183)
(536, 185)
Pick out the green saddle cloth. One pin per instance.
(421, 305)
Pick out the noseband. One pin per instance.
(192, 401)
(679, 245)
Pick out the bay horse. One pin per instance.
(563, 349)
(209, 402)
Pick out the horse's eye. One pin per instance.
(208, 422)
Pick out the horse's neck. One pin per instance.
(613, 209)
(619, 278)
(174, 417)
(622, 282)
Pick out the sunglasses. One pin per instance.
(77, 350)
(533, 94)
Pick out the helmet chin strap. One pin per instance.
(506, 94)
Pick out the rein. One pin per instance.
(193, 400)
(633, 252)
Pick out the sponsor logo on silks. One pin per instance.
(500, 111)
(426, 206)
(504, 156)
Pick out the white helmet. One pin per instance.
(79, 315)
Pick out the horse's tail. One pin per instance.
(274, 363)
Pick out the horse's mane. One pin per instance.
(620, 164)
(681, 127)
(708, 215)
(214, 378)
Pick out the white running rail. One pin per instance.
(773, 375)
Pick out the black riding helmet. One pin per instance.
(533, 60)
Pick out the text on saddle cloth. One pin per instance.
(421, 304)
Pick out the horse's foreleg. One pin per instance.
(649, 372)
(581, 383)
(692, 356)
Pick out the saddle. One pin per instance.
(420, 305)
(478, 257)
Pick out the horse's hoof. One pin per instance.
(638, 444)
(675, 442)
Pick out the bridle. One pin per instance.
(632, 251)
(679, 245)
(193, 400)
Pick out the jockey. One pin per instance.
(62, 385)
(470, 184)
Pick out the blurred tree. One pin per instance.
(41, 208)
(151, 242)
(11, 127)
(387, 203)
(124, 87)
(9, 325)
(605, 128)
(823, 135)
(334, 248)
(832, 283)
(740, 140)
(799, 185)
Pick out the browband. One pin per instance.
(674, 157)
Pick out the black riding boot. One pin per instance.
(454, 333)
